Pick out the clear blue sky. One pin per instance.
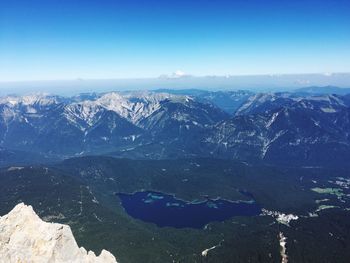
(69, 39)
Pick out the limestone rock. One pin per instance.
(25, 238)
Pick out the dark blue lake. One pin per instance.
(165, 210)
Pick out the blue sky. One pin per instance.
(70, 39)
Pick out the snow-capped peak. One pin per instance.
(41, 99)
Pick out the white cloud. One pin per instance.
(175, 75)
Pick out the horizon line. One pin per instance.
(172, 76)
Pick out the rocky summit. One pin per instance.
(24, 237)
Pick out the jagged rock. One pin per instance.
(24, 237)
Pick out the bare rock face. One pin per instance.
(24, 237)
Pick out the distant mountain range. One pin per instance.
(323, 90)
(305, 127)
(181, 80)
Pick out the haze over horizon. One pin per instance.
(60, 40)
(257, 83)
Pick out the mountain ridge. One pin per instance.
(164, 125)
